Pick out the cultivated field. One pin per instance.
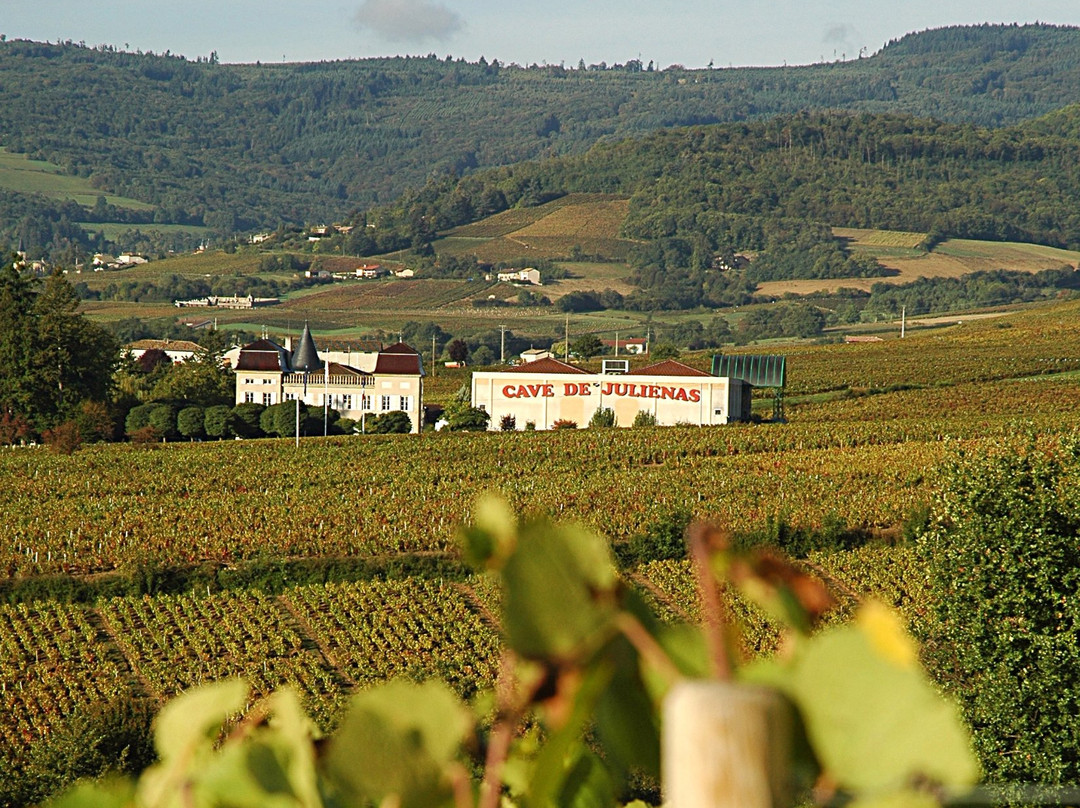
(953, 258)
(335, 565)
(588, 222)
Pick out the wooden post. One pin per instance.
(726, 746)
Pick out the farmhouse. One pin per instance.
(248, 302)
(548, 390)
(372, 383)
(178, 350)
(533, 354)
(632, 345)
(529, 275)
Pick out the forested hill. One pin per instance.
(238, 147)
(732, 183)
(775, 188)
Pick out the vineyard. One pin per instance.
(324, 640)
(589, 222)
(131, 573)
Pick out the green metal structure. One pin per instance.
(759, 370)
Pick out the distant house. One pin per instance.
(321, 274)
(178, 350)
(533, 354)
(130, 260)
(371, 271)
(528, 275)
(103, 261)
(406, 273)
(632, 345)
(248, 302)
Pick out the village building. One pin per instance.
(534, 354)
(178, 350)
(528, 275)
(548, 390)
(249, 302)
(373, 383)
(631, 345)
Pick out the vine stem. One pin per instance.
(509, 711)
(648, 647)
(715, 635)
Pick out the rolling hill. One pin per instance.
(240, 147)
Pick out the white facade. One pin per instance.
(353, 396)
(390, 380)
(528, 275)
(667, 391)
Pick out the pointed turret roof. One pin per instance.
(306, 358)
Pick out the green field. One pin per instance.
(20, 174)
(112, 231)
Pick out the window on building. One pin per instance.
(346, 402)
(268, 399)
(405, 403)
(267, 381)
(328, 399)
(385, 403)
(249, 381)
(289, 397)
(365, 403)
(249, 398)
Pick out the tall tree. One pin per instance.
(16, 338)
(72, 358)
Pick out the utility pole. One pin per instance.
(567, 350)
(502, 344)
(433, 356)
(903, 321)
(616, 344)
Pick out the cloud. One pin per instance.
(409, 20)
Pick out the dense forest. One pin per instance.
(243, 147)
(699, 195)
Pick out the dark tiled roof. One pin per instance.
(669, 367)
(548, 365)
(263, 355)
(306, 359)
(399, 358)
(400, 348)
(400, 364)
(337, 369)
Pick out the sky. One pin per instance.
(692, 33)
